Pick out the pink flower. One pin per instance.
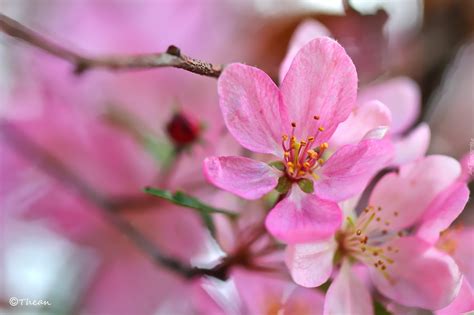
(254, 294)
(457, 242)
(394, 237)
(294, 123)
(400, 96)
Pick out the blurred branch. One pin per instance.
(49, 164)
(171, 58)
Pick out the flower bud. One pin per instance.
(183, 129)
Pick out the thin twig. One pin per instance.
(171, 58)
(49, 164)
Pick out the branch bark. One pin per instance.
(171, 58)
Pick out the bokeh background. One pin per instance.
(113, 128)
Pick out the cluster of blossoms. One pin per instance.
(340, 209)
(329, 144)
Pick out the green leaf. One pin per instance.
(279, 165)
(284, 185)
(306, 185)
(379, 309)
(185, 200)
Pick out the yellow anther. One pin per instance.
(290, 164)
(303, 142)
(324, 146)
(321, 128)
(285, 137)
(321, 161)
(310, 139)
(301, 173)
(359, 232)
(312, 154)
(306, 165)
(286, 154)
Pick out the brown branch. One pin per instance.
(53, 167)
(171, 58)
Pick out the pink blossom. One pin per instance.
(255, 293)
(293, 123)
(391, 238)
(400, 96)
(457, 242)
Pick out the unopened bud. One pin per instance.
(183, 129)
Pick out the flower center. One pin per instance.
(368, 242)
(302, 158)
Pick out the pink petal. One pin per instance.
(262, 293)
(376, 133)
(252, 108)
(242, 176)
(304, 33)
(347, 294)
(463, 251)
(310, 264)
(304, 301)
(362, 120)
(401, 95)
(420, 275)
(463, 303)
(322, 81)
(412, 146)
(405, 196)
(301, 218)
(348, 171)
(442, 211)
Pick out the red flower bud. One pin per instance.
(183, 129)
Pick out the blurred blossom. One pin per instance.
(253, 293)
(457, 242)
(70, 117)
